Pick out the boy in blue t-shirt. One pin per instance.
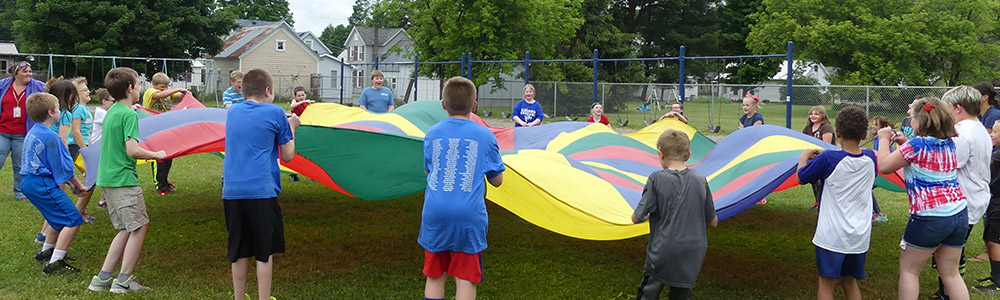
(46, 166)
(458, 155)
(844, 224)
(255, 133)
(377, 98)
(234, 94)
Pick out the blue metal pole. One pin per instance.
(341, 80)
(595, 75)
(527, 67)
(469, 65)
(416, 67)
(463, 66)
(376, 62)
(788, 97)
(681, 79)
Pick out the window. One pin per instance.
(392, 83)
(359, 78)
(3, 66)
(334, 80)
(309, 43)
(280, 45)
(361, 53)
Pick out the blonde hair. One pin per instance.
(235, 75)
(965, 96)
(933, 118)
(674, 145)
(39, 105)
(160, 78)
(528, 86)
(78, 81)
(823, 118)
(752, 101)
(458, 95)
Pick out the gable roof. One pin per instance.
(308, 34)
(384, 34)
(244, 40)
(8, 49)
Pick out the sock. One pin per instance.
(47, 246)
(57, 255)
(995, 270)
(104, 276)
(122, 277)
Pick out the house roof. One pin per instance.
(8, 49)
(252, 23)
(245, 38)
(308, 34)
(384, 35)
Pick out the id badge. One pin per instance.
(17, 111)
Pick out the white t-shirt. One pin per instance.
(95, 134)
(972, 149)
(845, 204)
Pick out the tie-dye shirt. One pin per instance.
(931, 177)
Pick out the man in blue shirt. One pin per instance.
(377, 98)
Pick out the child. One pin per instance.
(991, 230)
(119, 180)
(299, 102)
(47, 166)
(597, 114)
(939, 220)
(843, 228)
(904, 125)
(99, 112)
(678, 205)
(819, 127)
(80, 126)
(377, 98)
(750, 115)
(67, 96)
(988, 106)
(234, 94)
(158, 98)
(528, 112)
(257, 130)
(676, 112)
(454, 221)
(878, 122)
(972, 149)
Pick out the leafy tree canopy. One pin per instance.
(264, 10)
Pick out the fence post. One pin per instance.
(416, 67)
(788, 96)
(527, 67)
(341, 81)
(680, 79)
(469, 65)
(376, 62)
(114, 63)
(595, 75)
(868, 98)
(463, 66)
(50, 67)
(555, 96)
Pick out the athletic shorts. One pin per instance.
(991, 230)
(464, 266)
(255, 228)
(74, 149)
(126, 207)
(835, 265)
(928, 233)
(51, 201)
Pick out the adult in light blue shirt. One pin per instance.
(377, 98)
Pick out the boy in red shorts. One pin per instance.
(459, 157)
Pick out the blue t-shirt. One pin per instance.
(527, 112)
(86, 123)
(44, 154)
(991, 116)
(749, 122)
(844, 221)
(230, 96)
(65, 118)
(377, 101)
(459, 155)
(253, 133)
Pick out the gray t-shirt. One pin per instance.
(679, 205)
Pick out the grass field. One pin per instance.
(345, 248)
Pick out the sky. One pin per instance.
(315, 15)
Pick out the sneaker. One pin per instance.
(130, 285)
(22, 198)
(984, 280)
(880, 218)
(40, 238)
(293, 178)
(59, 267)
(936, 295)
(991, 288)
(162, 192)
(43, 256)
(87, 218)
(97, 285)
(814, 206)
(248, 297)
(102, 203)
(762, 201)
(171, 187)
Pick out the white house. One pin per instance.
(771, 88)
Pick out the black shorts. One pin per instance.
(255, 228)
(74, 149)
(991, 230)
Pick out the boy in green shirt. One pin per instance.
(118, 179)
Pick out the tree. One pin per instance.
(390, 13)
(264, 10)
(334, 37)
(887, 42)
(162, 28)
(7, 15)
(490, 30)
(362, 13)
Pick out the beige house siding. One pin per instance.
(289, 68)
(225, 66)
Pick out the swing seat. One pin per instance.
(643, 108)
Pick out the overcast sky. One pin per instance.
(314, 15)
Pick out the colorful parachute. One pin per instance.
(574, 178)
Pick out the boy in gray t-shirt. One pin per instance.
(678, 204)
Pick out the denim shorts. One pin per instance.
(930, 232)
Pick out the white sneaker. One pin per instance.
(97, 285)
(130, 285)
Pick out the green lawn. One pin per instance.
(346, 248)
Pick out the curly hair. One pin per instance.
(852, 123)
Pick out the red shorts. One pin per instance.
(461, 265)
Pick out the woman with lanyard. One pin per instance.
(14, 120)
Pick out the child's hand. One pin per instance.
(293, 121)
(79, 190)
(810, 154)
(899, 138)
(885, 134)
